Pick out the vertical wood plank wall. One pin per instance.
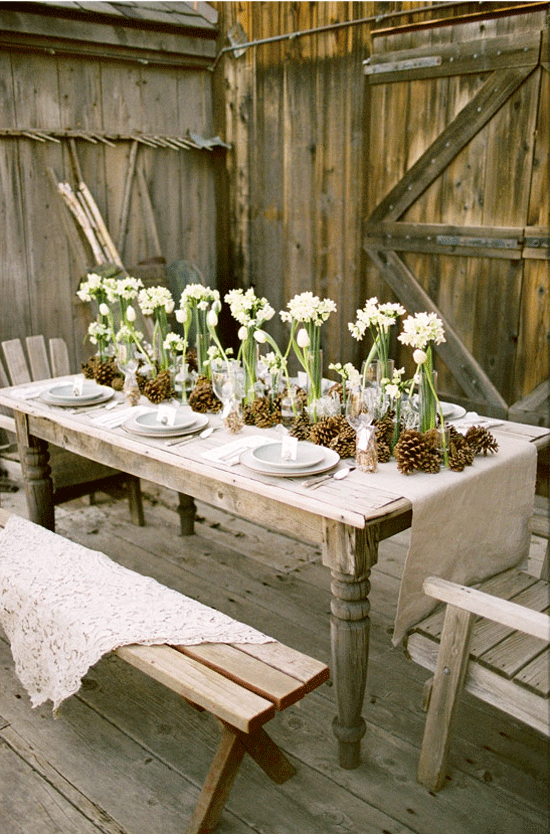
(38, 271)
(304, 173)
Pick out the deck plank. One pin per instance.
(127, 730)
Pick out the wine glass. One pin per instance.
(228, 384)
(361, 405)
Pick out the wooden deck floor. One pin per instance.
(125, 755)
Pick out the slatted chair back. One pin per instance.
(73, 476)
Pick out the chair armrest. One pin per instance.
(493, 608)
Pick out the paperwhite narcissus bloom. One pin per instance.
(421, 329)
(373, 314)
(104, 309)
(153, 298)
(306, 307)
(302, 338)
(419, 356)
(174, 342)
(130, 313)
(242, 333)
(247, 308)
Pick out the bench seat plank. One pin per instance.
(203, 686)
(249, 672)
(301, 666)
(536, 675)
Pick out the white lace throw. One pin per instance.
(63, 606)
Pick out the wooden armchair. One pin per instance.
(503, 657)
(72, 475)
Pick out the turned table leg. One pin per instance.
(36, 473)
(351, 554)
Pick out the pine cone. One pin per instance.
(481, 440)
(461, 453)
(160, 388)
(88, 368)
(337, 388)
(384, 436)
(105, 372)
(202, 397)
(261, 413)
(191, 359)
(325, 430)
(412, 451)
(300, 427)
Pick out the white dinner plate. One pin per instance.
(103, 393)
(452, 411)
(147, 421)
(200, 421)
(307, 454)
(329, 461)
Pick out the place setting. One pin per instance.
(165, 422)
(79, 392)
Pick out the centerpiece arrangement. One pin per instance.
(372, 413)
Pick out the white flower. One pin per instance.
(104, 309)
(373, 314)
(184, 316)
(421, 329)
(308, 308)
(242, 333)
(97, 331)
(260, 337)
(247, 308)
(173, 342)
(419, 356)
(130, 313)
(392, 390)
(154, 298)
(127, 288)
(212, 318)
(302, 338)
(197, 295)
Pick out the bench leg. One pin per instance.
(218, 783)
(223, 770)
(448, 680)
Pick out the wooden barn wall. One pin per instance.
(39, 273)
(303, 179)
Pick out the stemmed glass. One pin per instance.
(361, 405)
(127, 362)
(228, 384)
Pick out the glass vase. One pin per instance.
(203, 343)
(427, 402)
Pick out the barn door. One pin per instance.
(458, 196)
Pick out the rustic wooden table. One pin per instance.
(348, 518)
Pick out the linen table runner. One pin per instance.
(63, 606)
(466, 526)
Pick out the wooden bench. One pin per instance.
(502, 657)
(242, 686)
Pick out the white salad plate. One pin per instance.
(307, 454)
(63, 395)
(199, 422)
(329, 461)
(452, 411)
(148, 420)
